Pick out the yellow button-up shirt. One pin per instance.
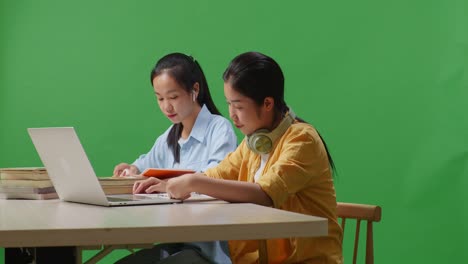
(297, 177)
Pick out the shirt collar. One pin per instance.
(201, 124)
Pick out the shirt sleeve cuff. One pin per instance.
(275, 189)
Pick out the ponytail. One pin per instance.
(204, 95)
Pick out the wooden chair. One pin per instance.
(369, 213)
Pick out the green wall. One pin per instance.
(385, 82)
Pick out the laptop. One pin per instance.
(71, 172)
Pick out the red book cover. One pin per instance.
(165, 173)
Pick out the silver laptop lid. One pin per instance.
(68, 165)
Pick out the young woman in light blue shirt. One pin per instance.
(198, 139)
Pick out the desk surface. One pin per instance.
(30, 223)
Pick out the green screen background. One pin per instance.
(385, 82)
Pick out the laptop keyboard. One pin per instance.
(113, 199)
(130, 197)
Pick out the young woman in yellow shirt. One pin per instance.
(282, 162)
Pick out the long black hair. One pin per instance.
(186, 71)
(258, 76)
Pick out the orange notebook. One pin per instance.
(165, 173)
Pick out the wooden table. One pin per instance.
(52, 223)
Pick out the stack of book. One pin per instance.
(26, 183)
(34, 183)
(118, 185)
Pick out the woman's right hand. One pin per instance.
(125, 169)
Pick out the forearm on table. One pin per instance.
(230, 190)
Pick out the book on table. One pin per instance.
(26, 189)
(29, 196)
(27, 192)
(119, 181)
(24, 173)
(118, 185)
(26, 183)
(117, 189)
(21, 189)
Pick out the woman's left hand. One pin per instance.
(149, 185)
(180, 187)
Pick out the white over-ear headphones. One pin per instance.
(262, 140)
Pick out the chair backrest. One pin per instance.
(359, 212)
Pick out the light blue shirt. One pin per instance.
(210, 140)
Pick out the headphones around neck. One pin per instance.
(261, 141)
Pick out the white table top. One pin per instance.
(32, 223)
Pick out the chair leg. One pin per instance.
(343, 222)
(369, 244)
(356, 240)
(262, 252)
